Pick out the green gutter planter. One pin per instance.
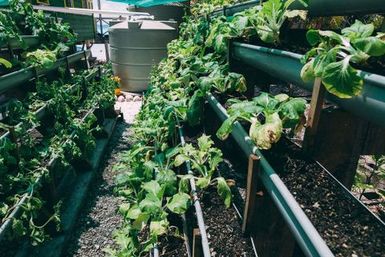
(231, 10)
(287, 67)
(303, 230)
(343, 7)
(29, 40)
(16, 78)
(317, 8)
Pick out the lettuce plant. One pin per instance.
(268, 116)
(333, 56)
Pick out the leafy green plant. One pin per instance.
(268, 116)
(204, 160)
(334, 55)
(5, 63)
(365, 178)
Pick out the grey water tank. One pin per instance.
(135, 48)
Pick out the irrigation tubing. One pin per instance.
(197, 205)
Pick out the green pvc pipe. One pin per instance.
(318, 8)
(303, 230)
(287, 66)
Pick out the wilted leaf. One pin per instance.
(224, 191)
(179, 203)
(267, 134)
(158, 228)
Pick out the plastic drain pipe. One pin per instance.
(197, 205)
(303, 230)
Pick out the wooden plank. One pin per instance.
(316, 104)
(197, 243)
(251, 191)
(271, 235)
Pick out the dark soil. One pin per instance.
(99, 218)
(171, 246)
(223, 228)
(345, 225)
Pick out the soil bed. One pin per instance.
(223, 225)
(345, 225)
(223, 228)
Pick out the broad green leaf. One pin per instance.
(180, 159)
(150, 204)
(373, 46)
(226, 128)
(154, 188)
(168, 180)
(158, 228)
(342, 80)
(265, 135)
(184, 183)
(244, 109)
(5, 63)
(265, 100)
(224, 191)
(358, 30)
(281, 97)
(195, 108)
(134, 212)
(332, 35)
(313, 37)
(240, 23)
(203, 182)
(142, 219)
(179, 203)
(205, 143)
(124, 208)
(292, 111)
(307, 71)
(322, 60)
(235, 82)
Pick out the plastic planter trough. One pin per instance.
(303, 230)
(73, 202)
(19, 77)
(231, 10)
(29, 40)
(287, 67)
(316, 8)
(342, 7)
(36, 185)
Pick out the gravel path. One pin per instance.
(100, 218)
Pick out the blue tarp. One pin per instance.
(146, 3)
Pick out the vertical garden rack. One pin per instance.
(365, 138)
(77, 179)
